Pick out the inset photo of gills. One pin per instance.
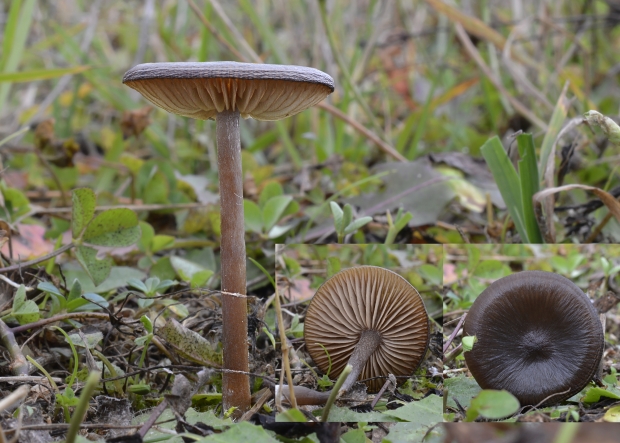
(531, 333)
(362, 324)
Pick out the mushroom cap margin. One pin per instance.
(201, 90)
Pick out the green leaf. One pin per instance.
(199, 279)
(264, 271)
(530, 185)
(87, 303)
(186, 269)
(147, 323)
(25, 311)
(347, 215)
(492, 404)
(91, 339)
(425, 412)
(461, 388)
(490, 270)
(271, 189)
(333, 266)
(146, 237)
(291, 416)
(402, 221)
(507, 181)
(356, 224)
(432, 274)
(46, 286)
(468, 342)
(76, 291)
(253, 217)
(612, 414)
(137, 284)
(354, 436)
(97, 270)
(83, 210)
(161, 242)
(114, 227)
(594, 394)
(338, 214)
(243, 432)
(273, 210)
(337, 413)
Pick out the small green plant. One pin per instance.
(23, 310)
(344, 222)
(517, 187)
(145, 340)
(151, 287)
(74, 301)
(397, 224)
(272, 207)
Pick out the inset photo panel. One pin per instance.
(531, 333)
(363, 329)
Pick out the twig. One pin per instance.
(452, 354)
(32, 378)
(60, 317)
(7, 338)
(375, 400)
(153, 207)
(262, 398)
(12, 283)
(284, 348)
(153, 417)
(15, 397)
(456, 331)
(25, 264)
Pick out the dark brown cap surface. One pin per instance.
(367, 298)
(537, 335)
(201, 90)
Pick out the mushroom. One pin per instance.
(370, 318)
(538, 337)
(224, 91)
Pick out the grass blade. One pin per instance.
(555, 125)
(530, 184)
(39, 74)
(16, 33)
(507, 181)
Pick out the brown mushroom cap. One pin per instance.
(201, 90)
(367, 298)
(537, 335)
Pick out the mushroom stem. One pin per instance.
(235, 386)
(369, 341)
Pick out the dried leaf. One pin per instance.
(190, 344)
